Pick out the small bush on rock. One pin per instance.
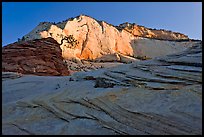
(72, 42)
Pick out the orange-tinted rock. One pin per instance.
(39, 57)
(98, 38)
(142, 31)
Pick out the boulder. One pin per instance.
(39, 57)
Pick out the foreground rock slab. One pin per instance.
(157, 97)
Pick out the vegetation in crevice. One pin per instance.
(70, 40)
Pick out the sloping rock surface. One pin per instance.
(40, 57)
(159, 96)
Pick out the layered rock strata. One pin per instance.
(39, 57)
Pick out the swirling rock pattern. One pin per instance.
(157, 97)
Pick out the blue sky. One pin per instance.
(19, 18)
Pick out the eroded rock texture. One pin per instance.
(159, 96)
(39, 57)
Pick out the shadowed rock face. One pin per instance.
(40, 57)
(158, 96)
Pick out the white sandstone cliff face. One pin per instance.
(98, 38)
(95, 40)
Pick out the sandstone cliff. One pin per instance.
(84, 38)
(98, 38)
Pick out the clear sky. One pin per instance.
(19, 18)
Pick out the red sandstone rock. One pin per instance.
(40, 57)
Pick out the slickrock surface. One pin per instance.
(38, 57)
(98, 39)
(158, 96)
(88, 65)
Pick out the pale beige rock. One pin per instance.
(162, 96)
